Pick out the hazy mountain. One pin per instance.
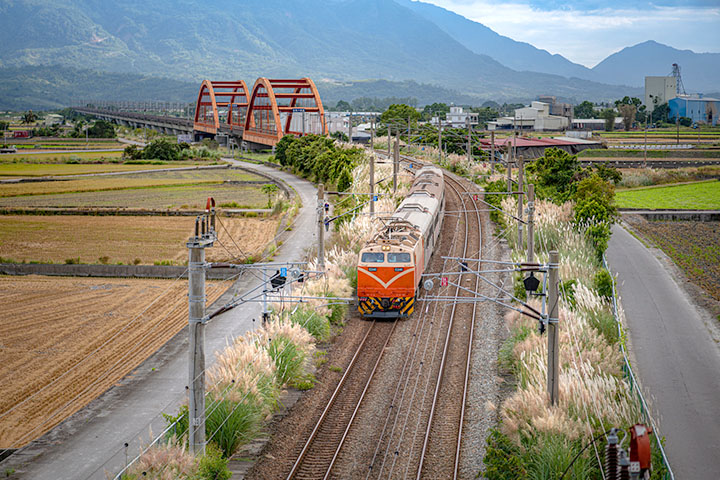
(629, 66)
(480, 39)
(338, 40)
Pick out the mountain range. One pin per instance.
(339, 43)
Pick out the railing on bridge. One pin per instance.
(278, 107)
(221, 104)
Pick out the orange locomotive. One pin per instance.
(390, 266)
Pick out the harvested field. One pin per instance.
(129, 181)
(57, 157)
(87, 239)
(58, 169)
(693, 246)
(171, 198)
(48, 370)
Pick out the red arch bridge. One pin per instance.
(257, 117)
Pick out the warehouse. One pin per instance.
(695, 107)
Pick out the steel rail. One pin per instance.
(444, 358)
(323, 416)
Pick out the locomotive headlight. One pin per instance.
(386, 248)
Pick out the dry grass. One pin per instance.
(93, 184)
(123, 239)
(48, 365)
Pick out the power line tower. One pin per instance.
(679, 87)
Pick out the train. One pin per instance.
(391, 264)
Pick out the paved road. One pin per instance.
(93, 441)
(676, 359)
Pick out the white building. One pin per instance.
(659, 90)
(457, 118)
(535, 117)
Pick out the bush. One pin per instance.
(213, 466)
(503, 460)
(161, 149)
(316, 324)
(603, 283)
(289, 359)
(232, 423)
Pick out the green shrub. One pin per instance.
(339, 310)
(548, 455)
(317, 325)
(567, 291)
(212, 465)
(288, 358)
(603, 283)
(72, 261)
(506, 355)
(604, 322)
(503, 459)
(231, 424)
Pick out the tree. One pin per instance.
(161, 149)
(609, 116)
(4, 125)
(344, 180)
(399, 114)
(29, 117)
(343, 106)
(660, 113)
(585, 110)
(628, 114)
(269, 189)
(101, 129)
(435, 110)
(554, 174)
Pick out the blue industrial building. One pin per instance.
(695, 107)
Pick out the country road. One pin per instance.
(676, 358)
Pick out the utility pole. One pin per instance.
(372, 134)
(492, 151)
(521, 178)
(552, 329)
(204, 236)
(677, 126)
(469, 141)
(645, 150)
(531, 223)
(389, 132)
(509, 170)
(372, 184)
(396, 163)
(350, 127)
(440, 154)
(321, 226)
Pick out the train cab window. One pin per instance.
(398, 257)
(373, 257)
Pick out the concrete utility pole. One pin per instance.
(372, 184)
(492, 152)
(396, 163)
(389, 132)
(196, 319)
(552, 330)
(372, 134)
(469, 141)
(521, 178)
(531, 223)
(350, 127)
(509, 171)
(321, 226)
(440, 148)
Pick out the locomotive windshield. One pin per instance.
(397, 257)
(372, 257)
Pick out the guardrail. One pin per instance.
(635, 387)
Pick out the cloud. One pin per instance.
(588, 31)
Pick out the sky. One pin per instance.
(587, 31)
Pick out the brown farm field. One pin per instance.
(168, 197)
(64, 341)
(127, 181)
(150, 239)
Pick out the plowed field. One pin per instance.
(57, 238)
(64, 341)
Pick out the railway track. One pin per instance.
(318, 455)
(447, 411)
